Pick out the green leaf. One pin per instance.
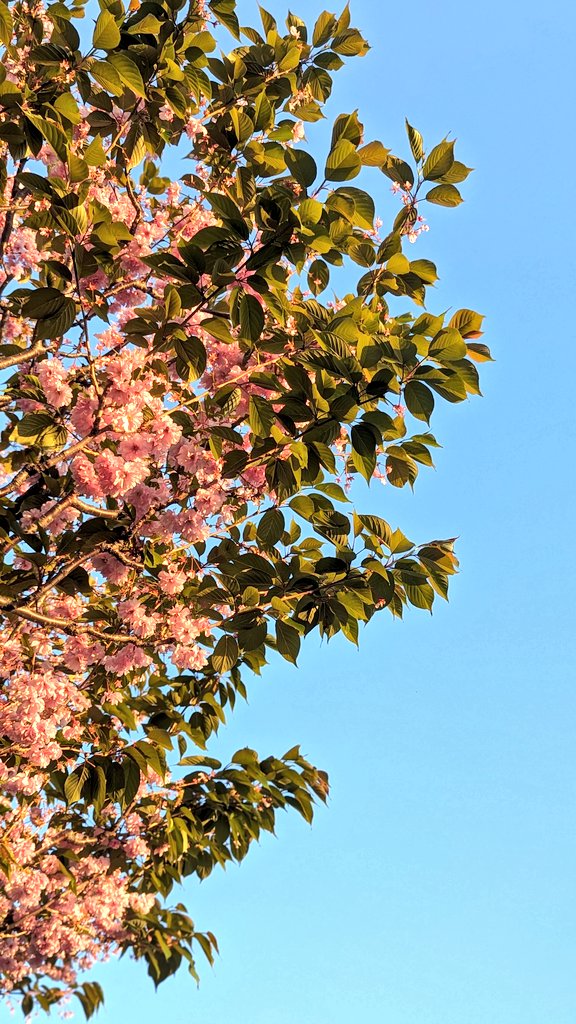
(263, 113)
(398, 264)
(268, 22)
(480, 353)
(190, 357)
(132, 777)
(448, 385)
(135, 148)
(290, 60)
(444, 195)
(148, 755)
(246, 757)
(99, 787)
(400, 471)
(347, 126)
(323, 29)
(377, 526)
(251, 597)
(149, 25)
(55, 313)
(218, 329)
(271, 527)
(107, 77)
(364, 209)
(56, 326)
(251, 317)
(106, 32)
(94, 154)
(363, 450)
(416, 143)
(77, 167)
(301, 165)
(90, 996)
(172, 302)
(227, 210)
(303, 505)
(36, 183)
(467, 322)
(399, 171)
(420, 595)
(53, 134)
(310, 212)
(75, 783)
(243, 126)
(287, 641)
(334, 491)
(66, 105)
(129, 73)
(425, 269)
(333, 525)
(39, 428)
(458, 172)
(448, 345)
(318, 276)
(419, 400)
(438, 161)
(343, 162)
(350, 44)
(33, 428)
(373, 154)
(260, 416)
(225, 654)
(6, 27)
(43, 302)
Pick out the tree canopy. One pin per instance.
(190, 384)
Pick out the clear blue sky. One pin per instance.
(439, 887)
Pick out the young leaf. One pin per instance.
(225, 654)
(419, 400)
(438, 161)
(444, 195)
(106, 32)
(416, 143)
(343, 162)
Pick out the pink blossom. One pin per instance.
(172, 580)
(192, 658)
(109, 567)
(298, 131)
(53, 377)
(127, 659)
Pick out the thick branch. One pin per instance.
(23, 355)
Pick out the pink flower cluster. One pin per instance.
(56, 929)
(35, 709)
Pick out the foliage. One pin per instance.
(185, 408)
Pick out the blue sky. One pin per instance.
(439, 886)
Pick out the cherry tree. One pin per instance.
(190, 384)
